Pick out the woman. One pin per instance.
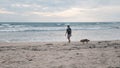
(69, 33)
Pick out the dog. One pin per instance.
(84, 40)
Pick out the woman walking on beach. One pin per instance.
(69, 33)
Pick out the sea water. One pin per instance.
(55, 31)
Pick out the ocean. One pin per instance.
(55, 31)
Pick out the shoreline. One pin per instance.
(58, 42)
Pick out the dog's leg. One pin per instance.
(83, 43)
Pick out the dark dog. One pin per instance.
(84, 40)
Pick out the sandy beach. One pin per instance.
(95, 54)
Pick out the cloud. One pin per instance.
(65, 13)
(26, 5)
(6, 12)
(61, 10)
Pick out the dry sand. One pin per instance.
(95, 54)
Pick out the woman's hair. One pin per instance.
(68, 25)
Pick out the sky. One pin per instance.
(59, 10)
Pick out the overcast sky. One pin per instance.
(59, 10)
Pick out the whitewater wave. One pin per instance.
(55, 27)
